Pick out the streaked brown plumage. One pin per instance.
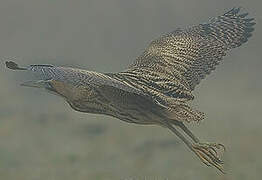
(157, 87)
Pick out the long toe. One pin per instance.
(209, 154)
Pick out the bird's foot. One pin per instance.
(208, 154)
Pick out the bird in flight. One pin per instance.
(157, 87)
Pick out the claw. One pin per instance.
(207, 152)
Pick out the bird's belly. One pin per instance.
(136, 115)
(132, 110)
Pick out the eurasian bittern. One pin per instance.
(157, 87)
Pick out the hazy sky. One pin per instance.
(102, 35)
(106, 36)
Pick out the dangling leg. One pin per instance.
(212, 146)
(188, 132)
(206, 152)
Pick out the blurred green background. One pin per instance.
(41, 138)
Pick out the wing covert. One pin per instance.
(185, 56)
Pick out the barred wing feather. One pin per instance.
(185, 56)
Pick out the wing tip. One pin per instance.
(235, 10)
(243, 16)
(244, 22)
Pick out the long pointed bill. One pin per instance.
(36, 84)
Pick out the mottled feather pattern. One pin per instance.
(231, 29)
(184, 112)
(192, 53)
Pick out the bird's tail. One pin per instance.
(184, 113)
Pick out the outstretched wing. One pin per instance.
(176, 62)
